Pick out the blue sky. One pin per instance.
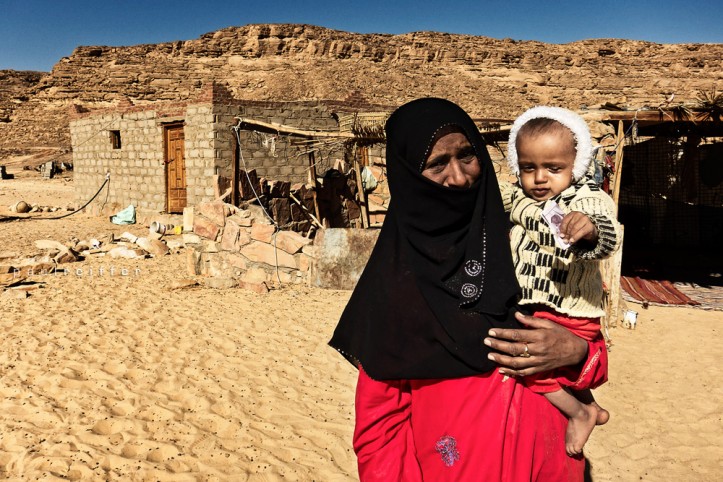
(35, 34)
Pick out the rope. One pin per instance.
(236, 129)
(107, 180)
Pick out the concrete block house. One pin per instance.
(164, 156)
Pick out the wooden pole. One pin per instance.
(284, 129)
(313, 218)
(314, 185)
(620, 144)
(611, 271)
(361, 151)
(235, 173)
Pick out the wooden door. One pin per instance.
(175, 169)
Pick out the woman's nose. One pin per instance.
(456, 176)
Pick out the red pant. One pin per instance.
(554, 380)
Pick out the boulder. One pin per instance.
(49, 244)
(263, 232)
(291, 242)
(265, 253)
(215, 211)
(155, 247)
(205, 228)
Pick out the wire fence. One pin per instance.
(671, 192)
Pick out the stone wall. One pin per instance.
(136, 168)
(242, 245)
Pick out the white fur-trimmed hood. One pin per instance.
(580, 131)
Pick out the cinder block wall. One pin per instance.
(136, 169)
(273, 156)
(201, 151)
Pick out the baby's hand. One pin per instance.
(576, 226)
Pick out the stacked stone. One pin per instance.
(243, 245)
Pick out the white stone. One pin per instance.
(50, 244)
(188, 219)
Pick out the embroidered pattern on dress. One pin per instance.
(447, 448)
(473, 267)
(587, 368)
(469, 290)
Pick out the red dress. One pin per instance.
(477, 428)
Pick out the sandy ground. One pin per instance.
(113, 376)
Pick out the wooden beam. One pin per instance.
(284, 129)
(657, 115)
(361, 194)
(235, 174)
(618, 167)
(314, 184)
(225, 194)
(611, 272)
(311, 215)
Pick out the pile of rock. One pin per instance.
(22, 207)
(16, 269)
(290, 205)
(241, 247)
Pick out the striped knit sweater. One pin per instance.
(566, 280)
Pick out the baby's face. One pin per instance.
(546, 161)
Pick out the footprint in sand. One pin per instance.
(110, 426)
(122, 409)
(163, 454)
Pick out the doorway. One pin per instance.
(175, 161)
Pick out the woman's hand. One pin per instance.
(545, 345)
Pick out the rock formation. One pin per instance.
(491, 78)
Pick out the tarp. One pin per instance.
(126, 216)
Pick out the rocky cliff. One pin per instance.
(489, 77)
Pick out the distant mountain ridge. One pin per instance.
(488, 77)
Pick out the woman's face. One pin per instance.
(452, 162)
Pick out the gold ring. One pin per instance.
(526, 353)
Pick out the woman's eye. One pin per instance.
(469, 158)
(467, 153)
(435, 167)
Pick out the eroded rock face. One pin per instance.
(488, 77)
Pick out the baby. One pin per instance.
(562, 225)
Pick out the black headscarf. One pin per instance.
(441, 273)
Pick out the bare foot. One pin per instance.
(586, 397)
(580, 427)
(602, 415)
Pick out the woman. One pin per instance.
(433, 401)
